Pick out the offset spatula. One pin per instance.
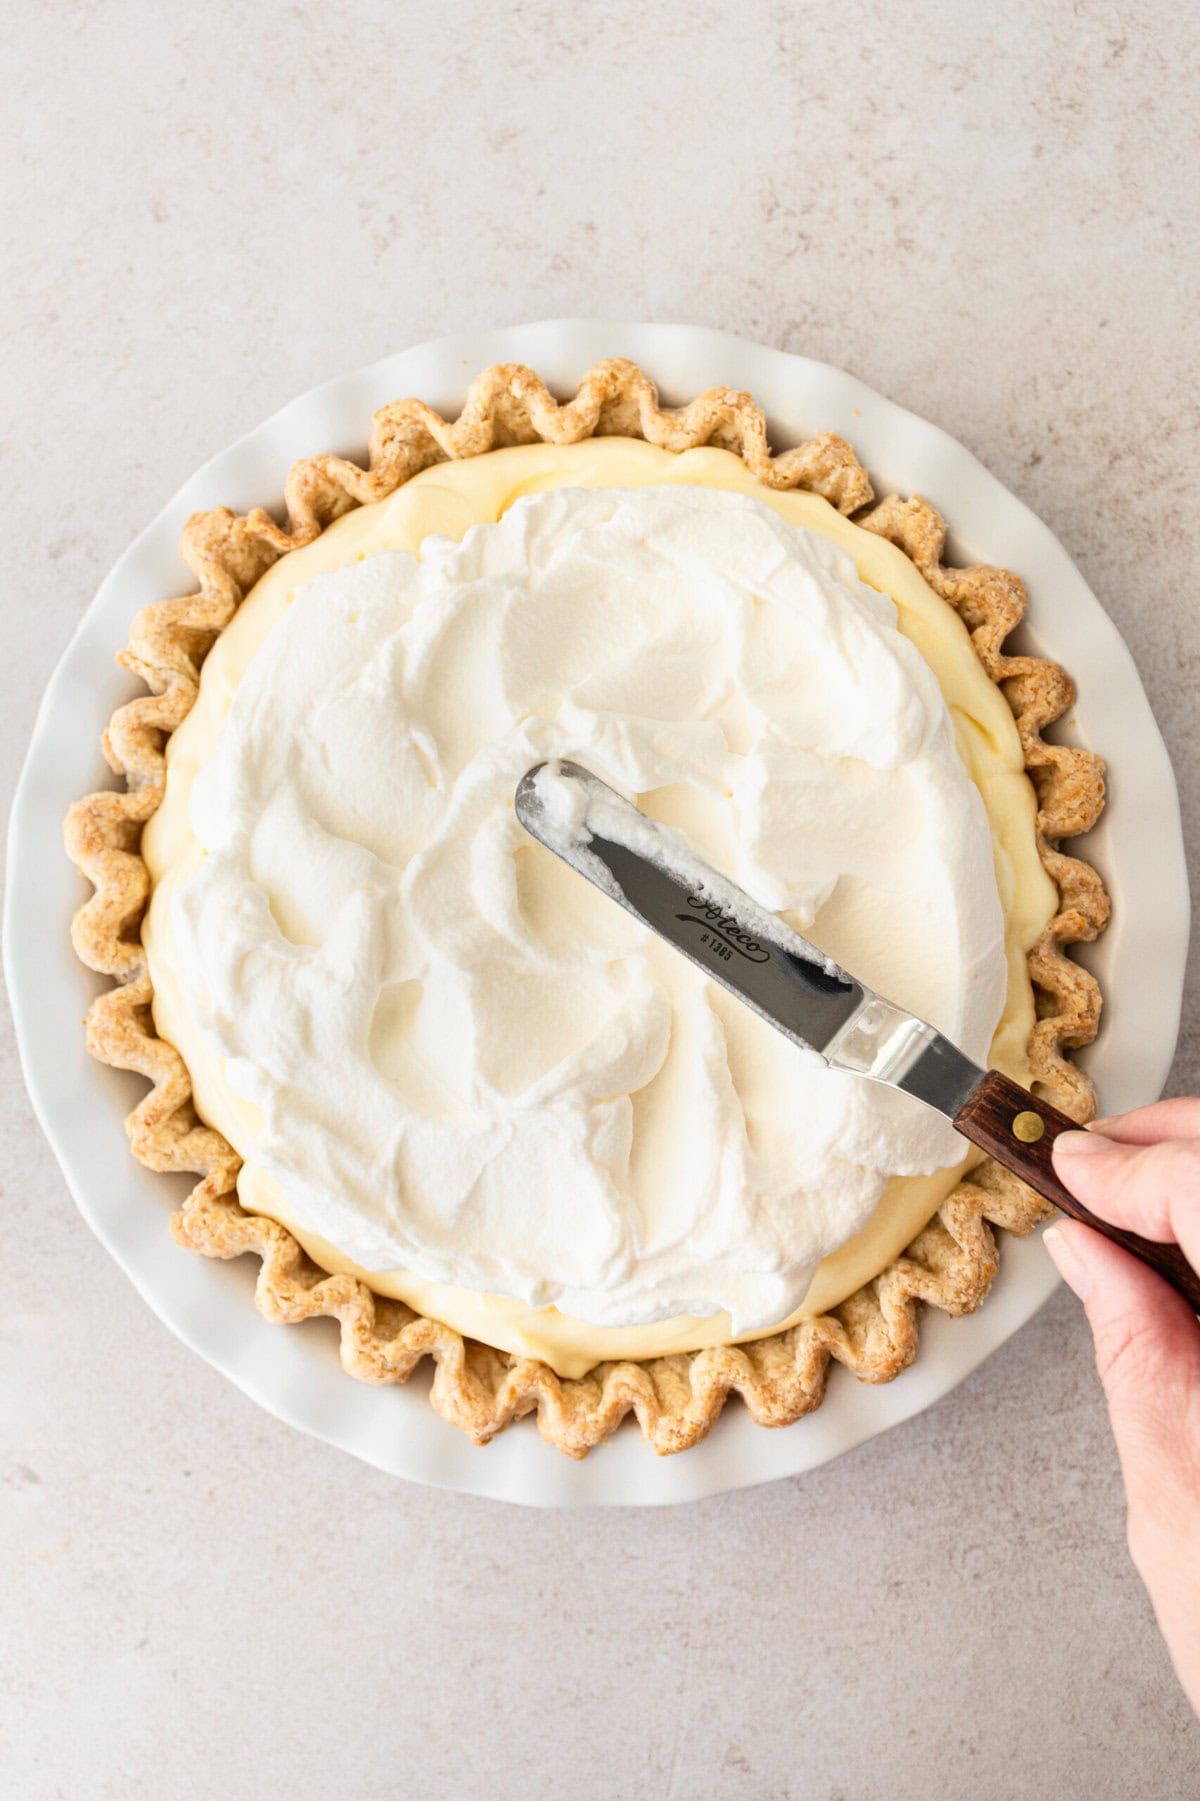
(655, 876)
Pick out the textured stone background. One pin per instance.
(983, 211)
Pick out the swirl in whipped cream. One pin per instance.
(467, 1062)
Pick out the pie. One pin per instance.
(448, 1095)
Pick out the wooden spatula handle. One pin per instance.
(1018, 1130)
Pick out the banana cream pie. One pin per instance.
(447, 1091)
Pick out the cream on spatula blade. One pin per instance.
(653, 873)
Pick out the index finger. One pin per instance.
(1152, 1189)
(1178, 1118)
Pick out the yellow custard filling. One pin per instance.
(447, 500)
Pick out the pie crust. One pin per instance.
(874, 1333)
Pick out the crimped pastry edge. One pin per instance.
(676, 1399)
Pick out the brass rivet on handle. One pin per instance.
(1029, 1127)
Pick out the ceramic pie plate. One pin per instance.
(295, 1374)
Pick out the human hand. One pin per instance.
(1142, 1171)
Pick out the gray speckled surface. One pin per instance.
(982, 212)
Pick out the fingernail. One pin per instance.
(1079, 1144)
(1073, 1271)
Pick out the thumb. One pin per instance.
(1147, 1343)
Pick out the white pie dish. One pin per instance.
(296, 1374)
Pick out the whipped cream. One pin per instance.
(464, 1061)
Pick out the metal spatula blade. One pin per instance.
(654, 875)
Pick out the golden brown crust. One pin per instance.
(676, 1399)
